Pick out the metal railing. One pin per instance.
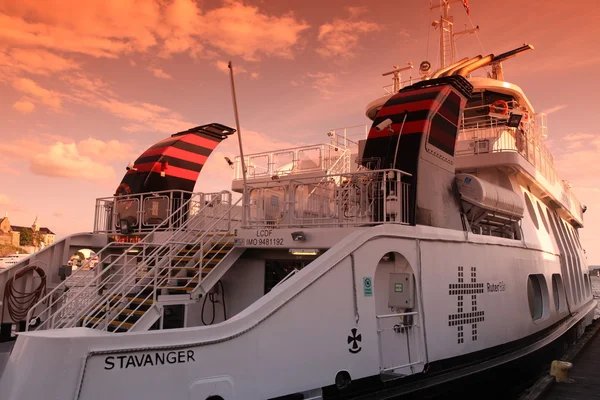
(364, 197)
(143, 211)
(298, 160)
(63, 308)
(400, 341)
(484, 132)
(145, 282)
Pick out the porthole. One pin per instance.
(537, 294)
(531, 211)
(557, 291)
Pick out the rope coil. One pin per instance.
(17, 302)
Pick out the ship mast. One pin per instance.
(447, 34)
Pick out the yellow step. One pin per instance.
(184, 288)
(132, 299)
(129, 311)
(125, 325)
(181, 277)
(195, 269)
(197, 259)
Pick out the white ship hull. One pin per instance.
(295, 338)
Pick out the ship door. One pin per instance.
(399, 327)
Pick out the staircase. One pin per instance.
(127, 293)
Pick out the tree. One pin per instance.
(80, 255)
(26, 237)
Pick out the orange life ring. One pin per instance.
(123, 190)
(499, 107)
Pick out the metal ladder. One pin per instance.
(179, 267)
(61, 308)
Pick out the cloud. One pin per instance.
(24, 106)
(223, 66)
(340, 37)
(241, 30)
(99, 28)
(159, 73)
(323, 82)
(555, 109)
(38, 61)
(45, 96)
(58, 214)
(85, 160)
(146, 117)
(578, 161)
(107, 151)
(64, 160)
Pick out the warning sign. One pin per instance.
(367, 286)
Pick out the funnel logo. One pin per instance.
(353, 340)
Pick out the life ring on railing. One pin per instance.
(123, 190)
(499, 107)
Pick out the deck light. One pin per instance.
(514, 120)
(298, 236)
(304, 252)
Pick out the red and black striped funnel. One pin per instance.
(428, 136)
(432, 110)
(174, 163)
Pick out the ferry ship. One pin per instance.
(440, 243)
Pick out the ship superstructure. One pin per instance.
(436, 242)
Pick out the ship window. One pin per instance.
(557, 291)
(537, 294)
(543, 218)
(531, 211)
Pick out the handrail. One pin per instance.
(157, 282)
(143, 243)
(124, 280)
(102, 217)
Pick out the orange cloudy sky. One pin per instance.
(86, 86)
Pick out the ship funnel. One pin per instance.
(469, 67)
(482, 62)
(439, 73)
(512, 53)
(463, 65)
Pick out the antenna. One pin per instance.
(447, 34)
(397, 72)
(237, 122)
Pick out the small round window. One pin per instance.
(557, 290)
(531, 211)
(534, 295)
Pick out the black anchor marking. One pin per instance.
(354, 339)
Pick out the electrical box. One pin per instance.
(401, 290)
